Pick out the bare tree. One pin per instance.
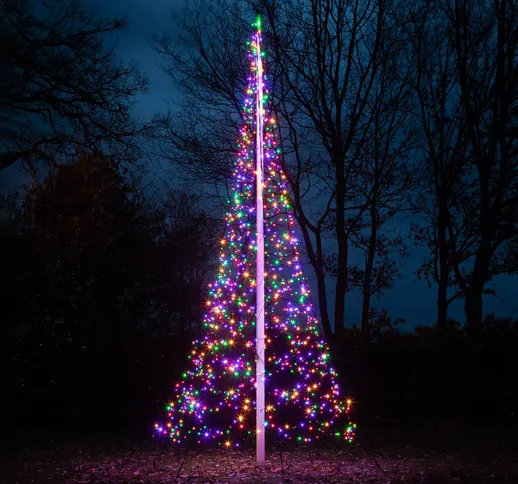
(486, 55)
(326, 59)
(62, 91)
(383, 182)
(466, 84)
(205, 60)
(381, 186)
(444, 184)
(331, 55)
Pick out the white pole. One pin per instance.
(260, 430)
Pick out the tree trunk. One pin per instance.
(341, 279)
(369, 264)
(322, 302)
(473, 308)
(442, 292)
(480, 274)
(316, 262)
(473, 304)
(484, 155)
(442, 307)
(365, 326)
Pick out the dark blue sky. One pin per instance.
(410, 299)
(145, 18)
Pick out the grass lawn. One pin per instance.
(438, 452)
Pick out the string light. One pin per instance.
(214, 399)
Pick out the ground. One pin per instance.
(386, 452)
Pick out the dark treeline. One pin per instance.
(426, 375)
(102, 295)
(391, 113)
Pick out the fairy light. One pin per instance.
(213, 401)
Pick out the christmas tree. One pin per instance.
(216, 397)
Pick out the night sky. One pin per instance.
(409, 298)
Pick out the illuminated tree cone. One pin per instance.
(215, 400)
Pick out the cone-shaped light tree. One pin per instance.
(216, 397)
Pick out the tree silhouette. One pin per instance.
(62, 90)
